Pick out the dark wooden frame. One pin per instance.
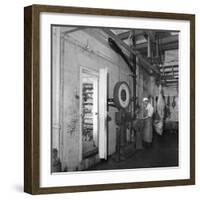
(32, 105)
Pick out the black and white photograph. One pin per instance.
(114, 98)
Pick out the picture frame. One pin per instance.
(33, 106)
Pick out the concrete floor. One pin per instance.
(163, 153)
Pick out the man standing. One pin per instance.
(148, 129)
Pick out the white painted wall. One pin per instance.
(11, 101)
(56, 125)
(84, 49)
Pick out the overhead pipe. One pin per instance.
(146, 65)
(118, 50)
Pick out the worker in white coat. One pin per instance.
(148, 126)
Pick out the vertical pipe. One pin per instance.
(157, 47)
(134, 83)
(134, 76)
(148, 47)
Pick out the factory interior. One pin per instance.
(114, 98)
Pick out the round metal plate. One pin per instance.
(122, 95)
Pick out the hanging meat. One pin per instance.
(160, 109)
(174, 102)
(168, 101)
(167, 108)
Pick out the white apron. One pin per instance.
(147, 131)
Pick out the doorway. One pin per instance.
(89, 112)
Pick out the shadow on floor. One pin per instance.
(163, 153)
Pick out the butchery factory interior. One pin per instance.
(114, 98)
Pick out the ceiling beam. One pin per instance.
(172, 63)
(168, 43)
(73, 30)
(173, 85)
(169, 73)
(171, 46)
(143, 61)
(171, 82)
(125, 35)
(175, 67)
(169, 77)
(170, 39)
